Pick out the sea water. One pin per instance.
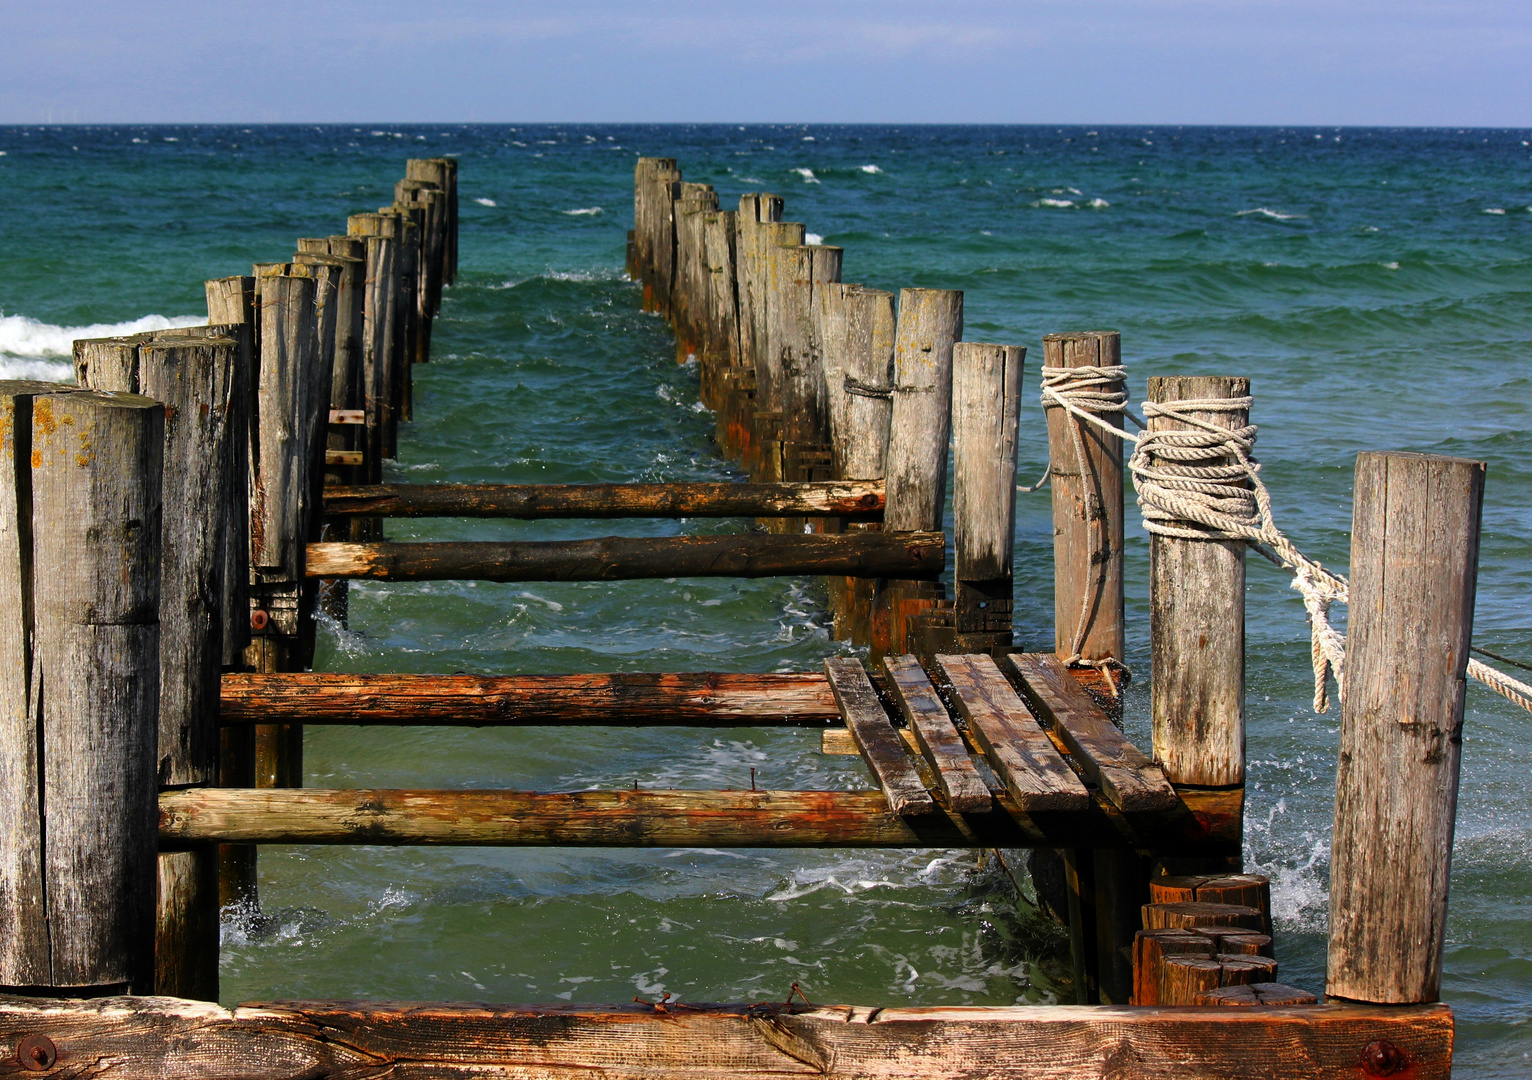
(1375, 284)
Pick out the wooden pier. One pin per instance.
(169, 529)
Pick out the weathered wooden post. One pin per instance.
(1197, 612)
(441, 173)
(721, 350)
(407, 324)
(647, 173)
(986, 410)
(806, 424)
(855, 327)
(195, 376)
(738, 414)
(1087, 500)
(930, 322)
(79, 614)
(775, 268)
(690, 300)
(1414, 563)
(379, 316)
(666, 185)
(280, 494)
(1106, 886)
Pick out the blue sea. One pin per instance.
(1376, 284)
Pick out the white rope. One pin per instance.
(1201, 482)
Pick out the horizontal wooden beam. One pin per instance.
(147, 1038)
(837, 498)
(903, 555)
(702, 699)
(1208, 823)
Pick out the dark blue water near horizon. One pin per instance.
(1376, 284)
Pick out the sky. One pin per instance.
(1377, 62)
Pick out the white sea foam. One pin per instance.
(587, 211)
(808, 175)
(1390, 266)
(1274, 215)
(486, 202)
(1494, 210)
(813, 238)
(1054, 202)
(871, 169)
(30, 349)
(1098, 204)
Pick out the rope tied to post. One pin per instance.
(1202, 482)
(860, 389)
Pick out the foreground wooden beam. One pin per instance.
(147, 1037)
(702, 699)
(1208, 823)
(617, 558)
(837, 498)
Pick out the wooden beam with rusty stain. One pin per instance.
(702, 699)
(859, 499)
(911, 555)
(1206, 823)
(147, 1038)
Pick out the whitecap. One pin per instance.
(486, 202)
(1494, 210)
(1272, 214)
(808, 175)
(813, 238)
(1098, 204)
(1054, 202)
(1390, 266)
(808, 138)
(586, 211)
(871, 169)
(23, 338)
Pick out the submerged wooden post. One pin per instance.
(1197, 622)
(930, 322)
(1414, 563)
(986, 409)
(79, 576)
(1087, 510)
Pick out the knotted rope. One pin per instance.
(1201, 482)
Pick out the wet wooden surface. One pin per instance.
(848, 498)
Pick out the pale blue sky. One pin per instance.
(1092, 61)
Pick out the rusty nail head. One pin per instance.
(1383, 1058)
(259, 619)
(36, 1053)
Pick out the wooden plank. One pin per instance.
(348, 416)
(628, 818)
(344, 457)
(936, 735)
(704, 699)
(1129, 779)
(160, 1037)
(617, 558)
(1414, 563)
(856, 499)
(1022, 756)
(875, 737)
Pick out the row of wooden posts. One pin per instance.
(122, 601)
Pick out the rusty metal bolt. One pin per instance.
(1383, 1058)
(36, 1053)
(259, 620)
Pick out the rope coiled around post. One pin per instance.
(1202, 482)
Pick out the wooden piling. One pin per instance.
(1414, 562)
(1087, 511)
(411, 220)
(930, 322)
(380, 315)
(986, 408)
(442, 174)
(80, 543)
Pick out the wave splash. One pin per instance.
(32, 349)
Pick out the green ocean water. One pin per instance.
(1375, 284)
